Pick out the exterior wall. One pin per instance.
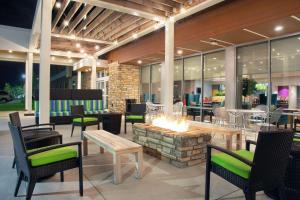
(124, 83)
(86, 80)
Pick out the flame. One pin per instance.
(178, 125)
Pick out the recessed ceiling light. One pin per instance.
(81, 50)
(97, 47)
(98, 63)
(58, 4)
(215, 68)
(10, 51)
(298, 50)
(239, 57)
(85, 54)
(273, 49)
(66, 22)
(78, 45)
(115, 42)
(179, 51)
(298, 38)
(135, 14)
(70, 60)
(278, 54)
(52, 58)
(261, 62)
(244, 65)
(215, 58)
(134, 35)
(69, 52)
(182, 10)
(84, 28)
(139, 62)
(278, 28)
(84, 17)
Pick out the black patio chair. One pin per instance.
(42, 162)
(37, 135)
(78, 119)
(136, 114)
(252, 172)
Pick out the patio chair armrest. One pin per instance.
(36, 129)
(248, 142)
(45, 138)
(236, 156)
(37, 125)
(77, 116)
(78, 144)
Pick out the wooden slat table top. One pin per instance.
(110, 141)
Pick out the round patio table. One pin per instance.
(292, 180)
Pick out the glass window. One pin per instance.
(252, 75)
(192, 80)
(155, 84)
(178, 70)
(285, 77)
(214, 79)
(145, 84)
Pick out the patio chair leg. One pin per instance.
(18, 184)
(62, 179)
(30, 188)
(249, 195)
(281, 192)
(207, 175)
(125, 127)
(80, 178)
(72, 130)
(98, 126)
(14, 163)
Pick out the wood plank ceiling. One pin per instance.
(85, 28)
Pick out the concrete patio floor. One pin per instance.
(161, 180)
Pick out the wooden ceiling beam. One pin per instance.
(83, 13)
(69, 16)
(126, 7)
(88, 20)
(103, 16)
(123, 23)
(106, 23)
(68, 37)
(169, 3)
(150, 4)
(128, 29)
(60, 12)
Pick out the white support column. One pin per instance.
(167, 69)
(28, 82)
(230, 76)
(292, 96)
(94, 74)
(78, 79)
(44, 79)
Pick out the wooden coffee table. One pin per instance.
(117, 146)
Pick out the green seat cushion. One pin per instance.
(232, 164)
(85, 119)
(296, 139)
(51, 156)
(135, 117)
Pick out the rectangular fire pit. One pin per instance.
(180, 149)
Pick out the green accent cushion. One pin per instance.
(296, 139)
(234, 165)
(85, 119)
(135, 117)
(51, 156)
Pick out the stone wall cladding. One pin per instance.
(124, 83)
(179, 150)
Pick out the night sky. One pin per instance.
(11, 72)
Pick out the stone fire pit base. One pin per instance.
(180, 149)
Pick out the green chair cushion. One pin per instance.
(234, 165)
(135, 117)
(296, 139)
(51, 156)
(85, 119)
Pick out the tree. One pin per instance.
(16, 91)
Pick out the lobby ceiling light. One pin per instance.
(139, 62)
(255, 33)
(84, 28)
(66, 22)
(10, 51)
(179, 52)
(58, 5)
(278, 28)
(78, 45)
(97, 47)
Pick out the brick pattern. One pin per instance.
(124, 83)
(179, 150)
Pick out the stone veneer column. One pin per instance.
(124, 83)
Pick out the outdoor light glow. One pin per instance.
(81, 50)
(115, 42)
(97, 47)
(52, 58)
(58, 4)
(66, 22)
(10, 51)
(134, 35)
(278, 28)
(84, 28)
(179, 51)
(139, 62)
(78, 45)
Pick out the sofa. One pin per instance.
(61, 101)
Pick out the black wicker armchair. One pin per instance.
(252, 172)
(78, 119)
(42, 162)
(135, 113)
(37, 135)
